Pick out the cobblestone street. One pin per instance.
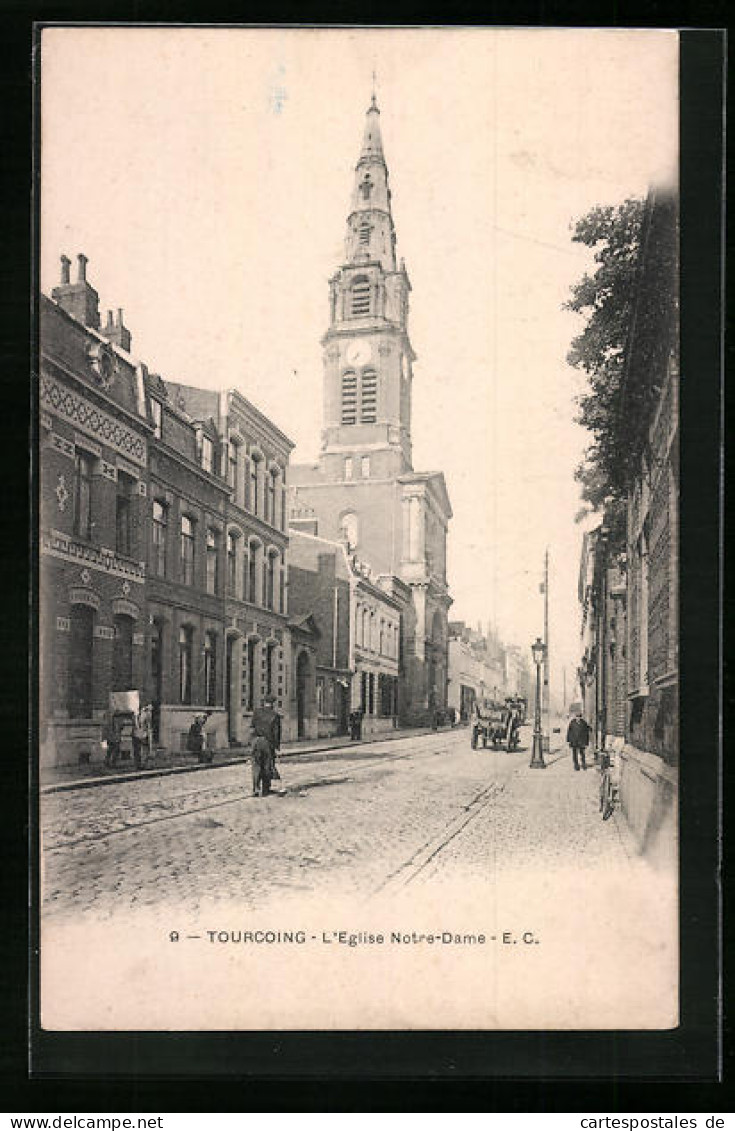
(400, 838)
(351, 823)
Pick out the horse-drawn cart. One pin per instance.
(496, 725)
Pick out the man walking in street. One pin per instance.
(267, 740)
(578, 736)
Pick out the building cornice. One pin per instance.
(97, 395)
(239, 403)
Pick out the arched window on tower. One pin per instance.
(364, 233)
(349, 398)
(349, 530)
(360, 305)
(369, 397)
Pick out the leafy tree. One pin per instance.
(606, 299)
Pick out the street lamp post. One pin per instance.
(538, 651)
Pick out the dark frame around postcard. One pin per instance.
(527, 1066)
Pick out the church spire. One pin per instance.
(372, 143)
(370, 234)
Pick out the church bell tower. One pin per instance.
(368, 357)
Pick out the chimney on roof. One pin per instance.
(116, 331)
(78, 299)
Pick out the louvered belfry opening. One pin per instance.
(360, 297)
(349, 398)
(369, 398)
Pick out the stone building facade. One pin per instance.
(359, 624)
(364, 488)
(649, 780)
(93, 476)
(603, 600)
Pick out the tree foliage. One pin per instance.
(605, 298)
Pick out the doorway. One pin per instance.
(302, 679)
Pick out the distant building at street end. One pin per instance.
(364, 488)
(482, 668)
(359, 625)
(629, 672)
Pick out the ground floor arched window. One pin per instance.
(80, 662)
(185, 663)
(210, 668)
(122, 654)
(251, 684)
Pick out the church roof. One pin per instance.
(437, 484)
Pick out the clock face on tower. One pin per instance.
(358, 353)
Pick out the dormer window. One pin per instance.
(156, 417)
(366, 186)
(207, 454)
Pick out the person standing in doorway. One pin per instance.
(142, 736)
(578, 736)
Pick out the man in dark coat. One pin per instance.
(267, 739)
(578, 736)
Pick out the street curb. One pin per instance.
(166, 771)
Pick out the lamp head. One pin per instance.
(538, 651)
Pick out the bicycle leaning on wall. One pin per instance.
(608, 784)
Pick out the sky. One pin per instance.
(207, 173)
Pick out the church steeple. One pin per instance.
(367, 352)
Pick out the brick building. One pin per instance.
(186, 556)
(93, 501)
(364, 487)
(163, 537)
(263, 655)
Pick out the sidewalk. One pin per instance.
(54, 779)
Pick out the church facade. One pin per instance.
(364, 488)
